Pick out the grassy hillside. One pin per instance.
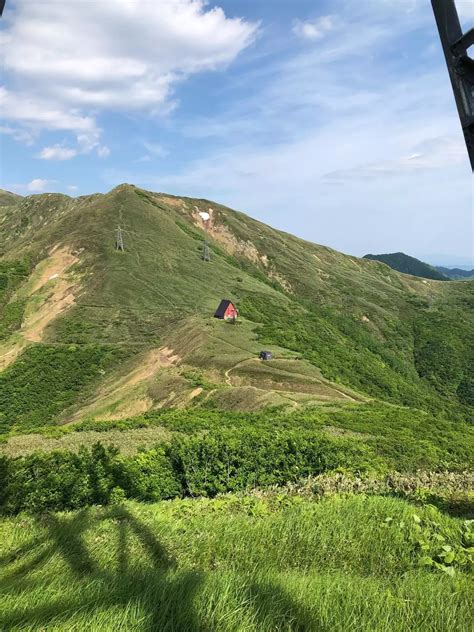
(409, 265)
(7, 198)
(239, 563)
(327, 489)
(118, 333)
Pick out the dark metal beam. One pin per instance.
(2, 6)
(461, 46)
(455, 44)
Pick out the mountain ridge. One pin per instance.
(134, 330)
(457, 274)
(409, 265)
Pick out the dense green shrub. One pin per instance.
(12, 274)
(443, 351)
(58, 480)
(465, 390)
(11, 317)
(235, 460)
(405, 439)
(191, 465)
(417, 361)
(4, 471)
(149, 476)
(48, 378)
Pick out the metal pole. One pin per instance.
(460, 66)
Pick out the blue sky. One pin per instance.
(333, 120)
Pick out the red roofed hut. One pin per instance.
(226, 310)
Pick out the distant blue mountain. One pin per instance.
(457, 274)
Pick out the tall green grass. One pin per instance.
(232, 564)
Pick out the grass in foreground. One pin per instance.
(236, 563)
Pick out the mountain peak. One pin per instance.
(408, 265)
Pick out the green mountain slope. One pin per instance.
(7, 198)
(409, 265)
(457, 274)
(87, 330)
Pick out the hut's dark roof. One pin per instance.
(223, 305)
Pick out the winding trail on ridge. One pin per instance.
(227, 376)
(328, 383)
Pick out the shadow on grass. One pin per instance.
(164, 595)
(276, 610)
(155, 589)
(456, 508)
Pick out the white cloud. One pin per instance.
(103, 152)
(314, 30)
(72, 188)
(145, 158)
(57, 152)
(36, 112)
(85, 144)
(432, 153)
(38, 185)
(33, 113)
(340, 144)
(21, 135)
(70, 60)
(155, 149)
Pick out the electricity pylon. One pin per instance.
(119, 239)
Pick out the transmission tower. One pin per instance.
(119, 239)
(206, 253)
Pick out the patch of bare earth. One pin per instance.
(148, 366)
(59, 260)
(10, 352)
(171, 201)
(60, 299)
(235, 246)
(222, 235)
(50, 292)
(194, 393)
(276, 276)
(123, 395)
(61, 296)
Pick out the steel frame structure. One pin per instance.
(455, 45)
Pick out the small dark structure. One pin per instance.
(265, 355)
(119, 240)
(226, 311)
(206, 253)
